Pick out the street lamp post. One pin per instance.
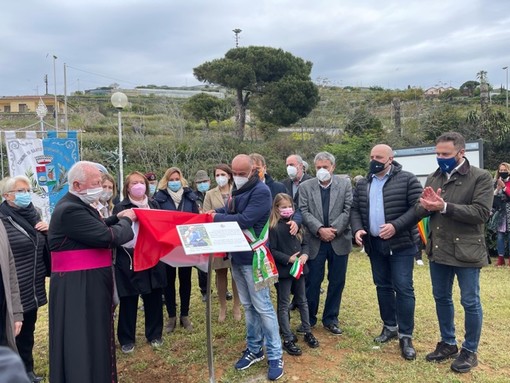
(119, 101)
(506, 68)
(55, 84)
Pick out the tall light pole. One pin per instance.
(119, 101)
(66, 122)
(55, 84)
(237, 31)
(506, 68)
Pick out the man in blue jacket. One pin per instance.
(250, 207)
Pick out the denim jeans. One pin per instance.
(469, 284)
(337, 268)
(392, 272)
(502, 237)
(261, 321)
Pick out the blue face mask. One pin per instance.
(203, 187)
(174, 185)
(22, 199)
(447, 164)
(152, 189)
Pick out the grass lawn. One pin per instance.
(351, 357)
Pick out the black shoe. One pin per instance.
(228, 296)
(407, 348)
(465, 361)
(291, 348)
(34, 378)
(333, 329)
(386, 335)
(311, 340)
(442, 352)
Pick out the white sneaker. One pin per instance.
(419, 262)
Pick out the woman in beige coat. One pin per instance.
(11, 317)
(214, 199)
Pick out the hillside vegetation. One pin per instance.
(158, 133)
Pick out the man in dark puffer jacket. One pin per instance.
(382, 219)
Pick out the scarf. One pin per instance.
(176, 196)
(26, 217)
(265, 273)
(252, 181)
(143, 204)
(231, 205)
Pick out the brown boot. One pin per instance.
(501, 261)
(186, 323)
(170, 327)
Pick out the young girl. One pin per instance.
(287, 250)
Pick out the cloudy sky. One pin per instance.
(391, 43)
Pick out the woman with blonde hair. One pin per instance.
(214, 199)
(174, 194)
(105, 203)
(502, 205)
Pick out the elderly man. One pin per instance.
(458, 198)
(82, 348)
(325, 202)
(297, 175)
(250, 206)
(383, 218)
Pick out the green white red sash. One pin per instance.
(264, 268)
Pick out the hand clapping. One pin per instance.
(431, 200)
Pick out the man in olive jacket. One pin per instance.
(458, 199)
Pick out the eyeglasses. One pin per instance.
(20, 191)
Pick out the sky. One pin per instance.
(391, 43)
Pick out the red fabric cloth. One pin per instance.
(158, 238)
(507, 188)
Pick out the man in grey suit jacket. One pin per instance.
(325, 202)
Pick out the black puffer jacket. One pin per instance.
(401, 192)
(28, 251)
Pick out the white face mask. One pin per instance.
(240, 181)
(323, 175)
(292, 171)
(90, 195)
(221, 181)
(105, 195)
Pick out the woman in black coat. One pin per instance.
(29, 244)
(174, 194)
(130, 284)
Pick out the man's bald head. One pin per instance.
(242, 165)
(383, 154)
(383, 149)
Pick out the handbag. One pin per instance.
(494, 221)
